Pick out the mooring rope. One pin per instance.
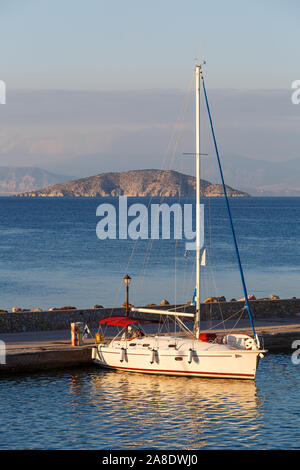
(281, 370)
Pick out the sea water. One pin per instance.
(50, 256)
(97, 409)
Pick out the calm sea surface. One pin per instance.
(50, 256)
(96, 409)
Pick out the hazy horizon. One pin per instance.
(140, 129)
(103, 86)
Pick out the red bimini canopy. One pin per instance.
(120, 321)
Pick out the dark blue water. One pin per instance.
(50, 256)
(96, 409)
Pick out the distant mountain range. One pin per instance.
(258, 177)
(137, 183)
(14, 180)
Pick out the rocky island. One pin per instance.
(136, 183)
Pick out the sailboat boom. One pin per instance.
(161, 312)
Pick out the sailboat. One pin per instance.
(197, 354)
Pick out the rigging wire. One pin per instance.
(175, 136)
(176, 130)
(229, 211)
(178, 126)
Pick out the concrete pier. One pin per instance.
(43, 350)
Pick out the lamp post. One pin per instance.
(127, 280)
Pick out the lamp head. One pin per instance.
(127, 280)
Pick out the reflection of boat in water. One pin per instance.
(140, 388)
(194, 353)
(189, 412)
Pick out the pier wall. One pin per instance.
(16, 322)
(33, 361)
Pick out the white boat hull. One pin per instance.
(157, 355)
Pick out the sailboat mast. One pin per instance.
(198, 182)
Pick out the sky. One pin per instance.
(107, 79)
(140, 44)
